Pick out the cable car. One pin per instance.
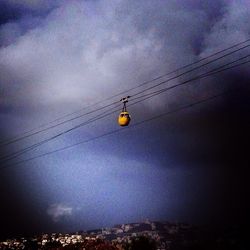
(124, 117)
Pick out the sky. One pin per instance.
(58, 57)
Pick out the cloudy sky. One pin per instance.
(58, 57)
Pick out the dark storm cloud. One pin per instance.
(7, 13)
(58, 55)
(18, 17)
(12, 10)
(218, 136)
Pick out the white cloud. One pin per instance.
(57, 211)
(84, 51)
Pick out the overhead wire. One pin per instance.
(152, 94)
(56, 125)
(74, 118)
(14, 155)
(191, 70)
(27, 133)
(211, 72)
(183, 107)
(22, 151)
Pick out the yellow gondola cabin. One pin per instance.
(124, 117)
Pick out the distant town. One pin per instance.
(142, 236)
